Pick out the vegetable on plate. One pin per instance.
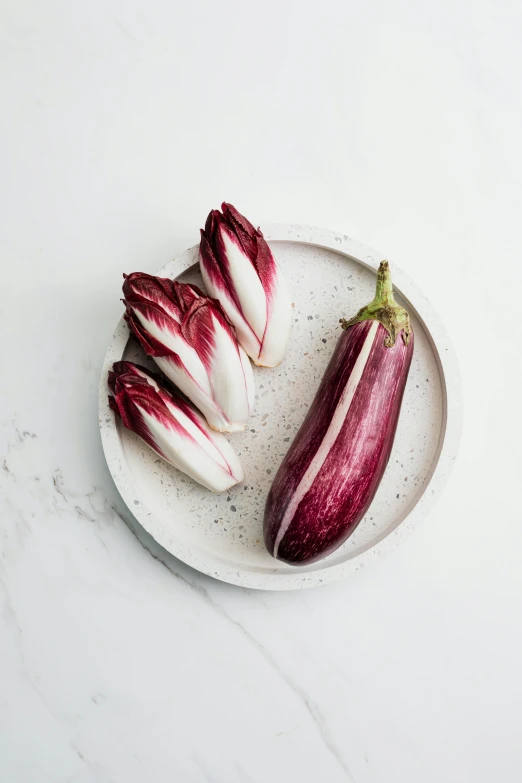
(331, 473)
(193, 343)
(172, 427)
(239, 269)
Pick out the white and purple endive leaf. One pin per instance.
(238, 268)
(172, 427)
(193, 343)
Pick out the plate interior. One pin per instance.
(227, 528)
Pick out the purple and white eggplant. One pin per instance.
(239, 269)
(330, 475)
(193, 343)
(172, 427)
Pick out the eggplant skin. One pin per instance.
(332, 470)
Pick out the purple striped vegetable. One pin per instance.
(330, 475)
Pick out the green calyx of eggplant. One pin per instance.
(384, 309)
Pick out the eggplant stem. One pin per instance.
(384, 309)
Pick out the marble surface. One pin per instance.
(123, 123)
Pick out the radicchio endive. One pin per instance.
(239, 269)
(172, 427)
(193, 343)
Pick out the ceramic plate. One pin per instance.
(330, 276)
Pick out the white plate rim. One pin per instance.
(443, 462)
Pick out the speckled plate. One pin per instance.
(330, 276)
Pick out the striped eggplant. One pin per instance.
(330, 475)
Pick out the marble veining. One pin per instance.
(95, 511)
(123, 124)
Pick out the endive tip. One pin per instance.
(229, 430)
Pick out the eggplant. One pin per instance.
(332, 470)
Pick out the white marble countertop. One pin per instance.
(123, 124)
